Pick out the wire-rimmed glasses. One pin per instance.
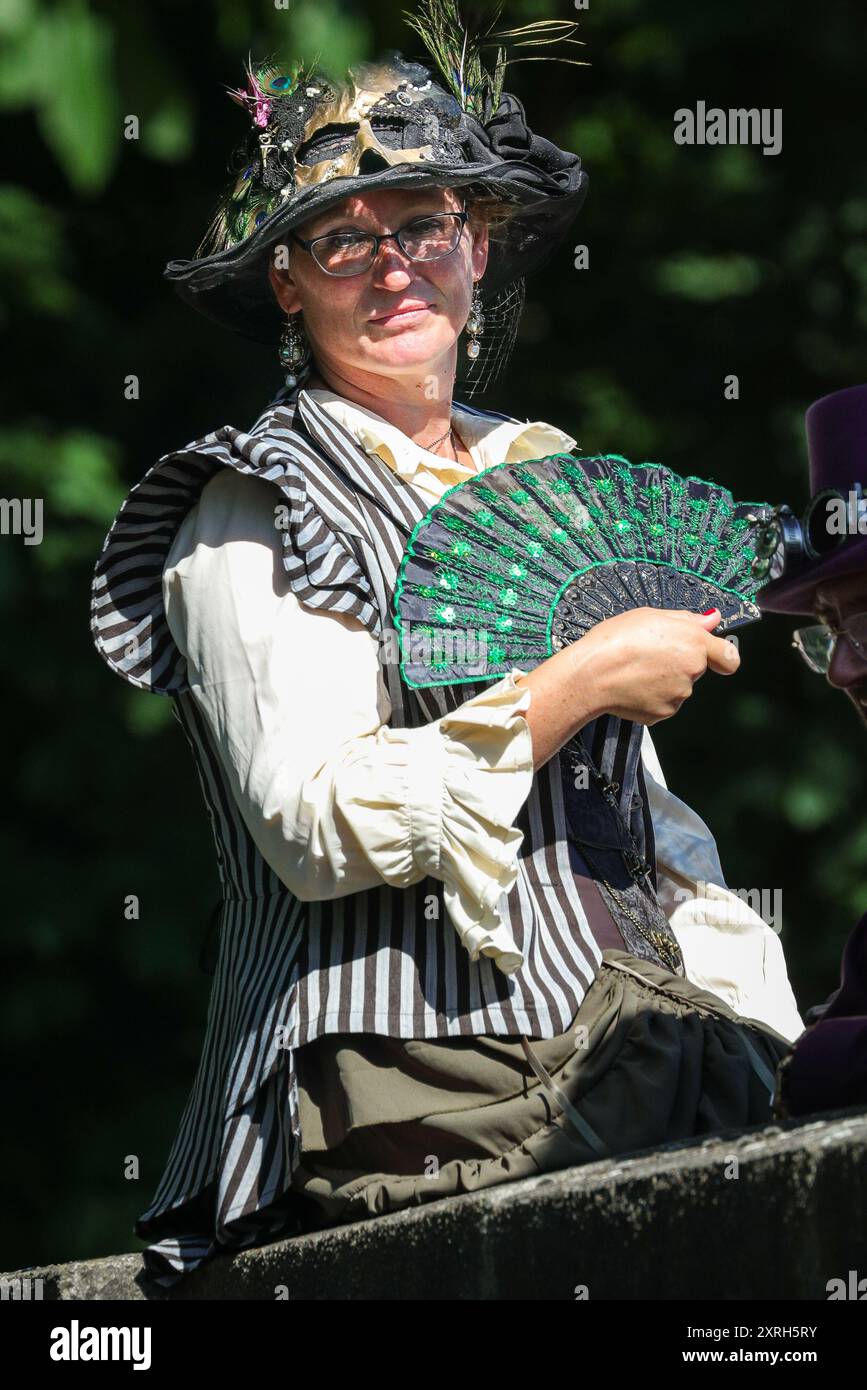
(352, 251)
(816, 644)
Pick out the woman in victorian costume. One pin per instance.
(426, 982)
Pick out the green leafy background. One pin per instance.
(705, 261)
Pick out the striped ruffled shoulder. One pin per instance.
(127, 616)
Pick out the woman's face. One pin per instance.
(399, 317)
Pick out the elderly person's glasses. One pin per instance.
(816, 644)
(352, 251)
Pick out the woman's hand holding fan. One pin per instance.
(639, 666)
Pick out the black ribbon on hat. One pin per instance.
(505, 134)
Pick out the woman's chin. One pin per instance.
(408, 347)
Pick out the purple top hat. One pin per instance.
(836, 428)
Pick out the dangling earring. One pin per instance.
(293, 344)
(475, 323)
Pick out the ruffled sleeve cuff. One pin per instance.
(440, 800)
(480, 779)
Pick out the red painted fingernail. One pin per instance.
(708, 610)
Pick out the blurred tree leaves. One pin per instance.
(31, 256)
(58, 60)
(83, 478)
(703, 278)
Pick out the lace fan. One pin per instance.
(517, 562)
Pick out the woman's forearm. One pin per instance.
(640, 665)
(566, 695)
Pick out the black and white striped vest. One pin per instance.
(378, 961)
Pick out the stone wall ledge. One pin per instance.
(667, 1223)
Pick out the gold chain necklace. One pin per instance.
(660, 942)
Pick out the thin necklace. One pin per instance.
(453, 435)
(430, 447)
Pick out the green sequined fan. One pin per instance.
(514, 564)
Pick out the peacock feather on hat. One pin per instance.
(457, 50)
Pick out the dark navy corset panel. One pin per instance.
(611, 843)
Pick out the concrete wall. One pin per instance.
(683, 1222)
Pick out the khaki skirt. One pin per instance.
(650, 1058)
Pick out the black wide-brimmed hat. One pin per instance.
(315, 141)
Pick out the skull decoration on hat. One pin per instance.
(311, 131)
(394, 115)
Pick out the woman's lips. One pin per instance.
(413, 311)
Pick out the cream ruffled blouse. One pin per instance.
(336, 800)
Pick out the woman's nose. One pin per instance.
(847, 667)
(391, 267)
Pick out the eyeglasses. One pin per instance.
(816, 644)
(352, 252)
